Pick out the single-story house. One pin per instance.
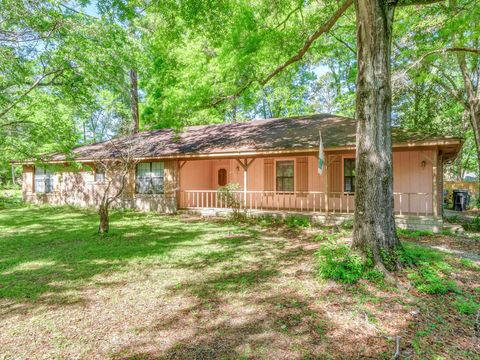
(273, 161)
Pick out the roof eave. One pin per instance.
(258, 153)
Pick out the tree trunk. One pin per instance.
(374, 231)
(472, 105)
(104, 225)
(134, 101)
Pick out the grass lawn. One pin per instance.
(180, 287)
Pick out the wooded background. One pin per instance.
(65, 70)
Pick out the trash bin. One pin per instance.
(460, 200)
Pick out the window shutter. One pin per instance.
(335, 175)
(302, 175)
(268, 175)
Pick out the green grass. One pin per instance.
(429, 270)
(209, 289)
(49, 250)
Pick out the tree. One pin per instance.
(374, 223)
(62, 71)
(442, 53)
(117, 173)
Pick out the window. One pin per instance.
(285, 176)
(99, 174)
(150, 178)
(222, 177)
(43, 181)
(349, 175)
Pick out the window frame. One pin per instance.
(99, 170)
(151, 187)
(46, 178)
(351, 177)
(282, 191)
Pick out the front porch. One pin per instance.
(406, 204)
(290, 185)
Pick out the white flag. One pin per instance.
(321, 154)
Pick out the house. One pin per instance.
(274, 162)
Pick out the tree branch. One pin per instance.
(415, 2)
(441, 51)
(321, 30)
(324, 28)
(33, 86)
(347, 45)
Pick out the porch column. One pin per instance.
(245, 164)
(180, 165)
(326, 185)
(435, 184)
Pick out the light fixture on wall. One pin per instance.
(238, 168)
(423, 164)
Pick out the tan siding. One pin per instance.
(268, 171)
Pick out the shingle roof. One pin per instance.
(259, 135)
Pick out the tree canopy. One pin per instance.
(65, 65)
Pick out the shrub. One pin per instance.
(10, 199)
(453, 219)
(338, 264)
(227, 195)
(466, 305)
(413, 233)
(469, 264)
(429, 272)
(429, 279)
(474, 225)
(294, 221)
(347, 224)
(268, 220)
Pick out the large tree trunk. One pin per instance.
(134, 100)
(472, 105)
(104, 225)
(374, 226)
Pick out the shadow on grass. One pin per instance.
(285, 319)
(46, 251)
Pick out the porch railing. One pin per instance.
(312, 201)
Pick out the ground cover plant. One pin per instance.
(180, 287)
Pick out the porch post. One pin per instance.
(245, 165)
(245, 186)
(435, 184)
(180, 164)
(326, 184)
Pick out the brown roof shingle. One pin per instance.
(259, 135)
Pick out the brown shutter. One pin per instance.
(302, 175)
(268, 175)
(335, 174)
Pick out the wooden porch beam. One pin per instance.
(245, 164)
(181, 164)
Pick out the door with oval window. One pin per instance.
(222, 177)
